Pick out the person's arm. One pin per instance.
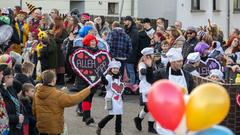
(109, 39)
(68, 100)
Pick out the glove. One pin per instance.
(103, 79)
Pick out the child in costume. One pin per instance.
(143, 88)
(113, 99)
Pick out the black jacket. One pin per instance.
(144, 41)
(188, 47)
(133, 34)
(153, 76)
(24, 79)
(11, 110)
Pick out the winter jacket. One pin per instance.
(12, 111)
(24, 79)
(59, 42)
(188, 47)
(120, 43)
(105, 28)
(144, 41)
(48, 107)
(27, 103)
(178, 43)
(133, 34)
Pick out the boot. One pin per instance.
(98, 131)
(138, 123)
(151, 128)
(119, 133)
(89, 120)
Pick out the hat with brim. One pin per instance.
(32, 8)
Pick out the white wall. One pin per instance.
(157, 8)
(47, 5)
(189, 18)
(93, 7)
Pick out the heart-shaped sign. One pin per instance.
(118, 88)
(89, 66)
(205, 67)
(238, 99)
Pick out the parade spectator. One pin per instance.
(60, 35)
(49, 104)
(131, 30)
(216, 75)
(164, 47)
(148, 28)
(144, 39)
(26, 75)
(83, 19)
(46, 22)
(22, 27)
(120, 44)
(191, 42)
(156, 41)
(101, 25)
(26, 98)
(177, 40)
(160, 22)
(36, 15)
(73, 26)
(15, 111)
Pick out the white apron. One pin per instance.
(178, 79)
(117, 103)
(143, 85)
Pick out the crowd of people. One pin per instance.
(35, 51)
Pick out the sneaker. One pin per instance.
(98, 131)
(88, 121)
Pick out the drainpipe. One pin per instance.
(132, 7)
(228, 17)
(121, 9)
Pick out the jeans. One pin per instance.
(131, 73)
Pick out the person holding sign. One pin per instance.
(90, 44)
(113, 98)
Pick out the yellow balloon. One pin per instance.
(208, 105)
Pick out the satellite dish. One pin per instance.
(6, 32)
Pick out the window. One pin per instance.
(236, 6)
(195, 4)
(113, 8)
(216, 6)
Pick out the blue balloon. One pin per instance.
(216, 130)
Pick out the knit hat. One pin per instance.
(147, 51)
(194, 57)
(32, 8)
(114, 64)
(5, 59)
(191, 28)
(201, 47)
(128, 18)
(84, 30)
(217, 73)
(87, 39)
(146, 20)
(174, 54)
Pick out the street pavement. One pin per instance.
(131, 108)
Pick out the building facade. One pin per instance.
(225, 13)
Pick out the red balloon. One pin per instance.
(166, 104)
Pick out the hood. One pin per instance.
(44, 91)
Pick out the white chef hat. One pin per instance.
(216, 72)
(114, 64)
(174, 54)
(147, 51)
(194, 57)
